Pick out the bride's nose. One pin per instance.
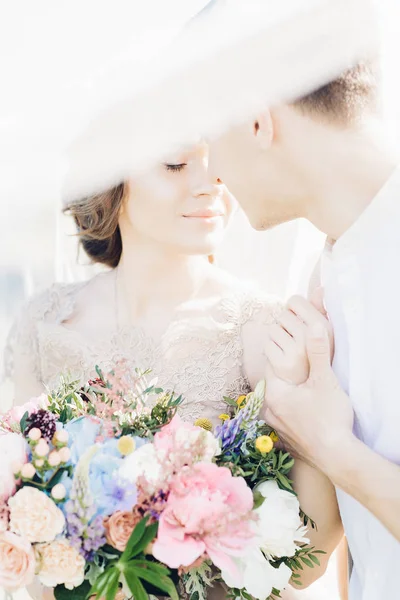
(208, 188)
(206, 183)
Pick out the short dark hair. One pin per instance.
(347, 98)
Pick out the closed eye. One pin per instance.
(175, 168)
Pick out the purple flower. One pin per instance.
(85, 530)
(231, 434)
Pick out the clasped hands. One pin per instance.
(304, 401)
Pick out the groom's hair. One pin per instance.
(345, 99)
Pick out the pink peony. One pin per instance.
(208, 512)
(17, 562)
(13, 450)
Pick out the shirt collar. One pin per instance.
(384, 206)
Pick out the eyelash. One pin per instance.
(175, 168)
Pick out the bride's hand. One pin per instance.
(285, 347)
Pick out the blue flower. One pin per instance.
(110, 492)
(83, 432)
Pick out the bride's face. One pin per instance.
(178, 204)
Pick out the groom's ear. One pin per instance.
(263, 129)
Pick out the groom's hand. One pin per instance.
(315, 416)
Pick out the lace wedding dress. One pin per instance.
(200, 357)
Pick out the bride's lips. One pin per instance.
(204, 214)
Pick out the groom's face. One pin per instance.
(258, 172)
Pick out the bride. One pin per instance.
(164, 305)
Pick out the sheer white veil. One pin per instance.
(280, 260)
(84, 82)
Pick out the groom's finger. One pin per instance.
(319, 352)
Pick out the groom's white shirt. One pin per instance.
(361, 277)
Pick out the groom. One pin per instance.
(324, 157)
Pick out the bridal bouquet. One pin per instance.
(105, 493)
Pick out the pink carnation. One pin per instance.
(208, 512)
(180, 444)
(13, 417)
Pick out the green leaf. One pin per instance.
(78, 593)
(282, 480)
(24, 421)
(135, 585)
(100, 585)
(298, 564)
(112, 585)
(314, 559)
(156, 567)
(134, 539)
(149, 534)
(307, 562)
(163, 583)
(258, 499)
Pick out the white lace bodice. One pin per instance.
(200, 358)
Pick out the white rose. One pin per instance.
(60, 564)
(142, 462)
(256, 575)
(279, 525)
(35, 516)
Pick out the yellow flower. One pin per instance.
(264, 444)
(204, 424)
(224, 417)
(126, 445)
(241, 400)
(274, 437)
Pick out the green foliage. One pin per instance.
(146, 425)
(255, 467)
(78, 593)
(24, 422)
(306, 556)
(197, 580)
(67, 400)
(141, 574)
